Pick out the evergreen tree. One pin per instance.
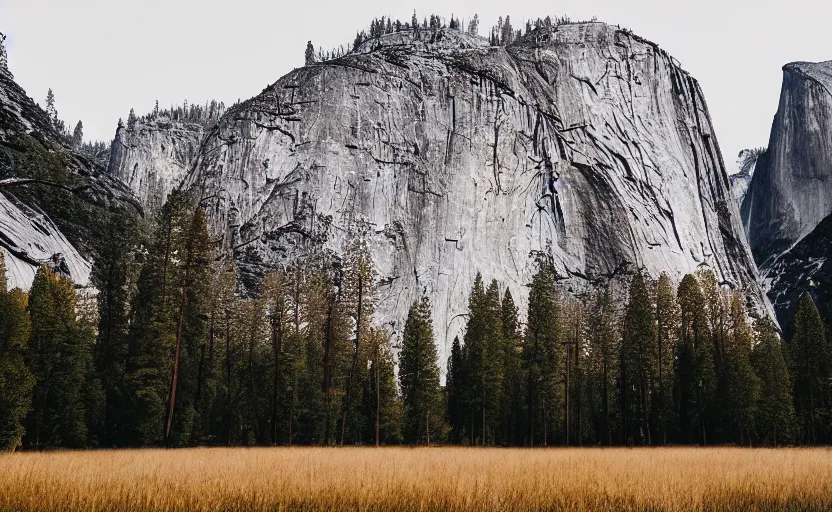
(16, 379)
(574, 370)
(739, 386)
(541, 354)
(809, 357)
(4, 57)
(484, 354)
(310, 54)
(419, 374)
(113, 275)
(506, 32)
(774, 420)
(637, 365)
(169, 326)
(358, 303)
(311, 288)
(78, 135)
(277, 292)
(695, 370)
(474, 26)
(602, 363)
(131, 119)
(191, 290)
(511, 406)
(382, 407)
(455, 392)
(51, 110)
(60, 349)
(667, 320)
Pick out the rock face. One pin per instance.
(805, 268)
(791, 192)
(454, 157)
(153, 157)
(746, 162)
(787, 209)
(63, 212)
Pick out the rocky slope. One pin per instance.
(153, 156)
(52, 200)
(455, 157)
(791, 192)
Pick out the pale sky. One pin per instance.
(102, 57)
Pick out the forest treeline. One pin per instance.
(176, 356)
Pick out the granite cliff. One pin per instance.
(453, 156)
(791, 192)
(153, 153)
(786, 211)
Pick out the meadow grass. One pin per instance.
(418, 479)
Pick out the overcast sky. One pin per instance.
(102, 57)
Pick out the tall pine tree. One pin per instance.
(541, 355)
(695, 371)
(16, 379)
(61, 357)
(809, 358)
(774, 421)
(637, 365)
(419, 375)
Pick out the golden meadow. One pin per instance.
(418, 479)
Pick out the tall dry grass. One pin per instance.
(424, 479)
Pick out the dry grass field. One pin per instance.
(421, 479)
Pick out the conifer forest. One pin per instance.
(179, 358)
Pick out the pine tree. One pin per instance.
(78, 135)
(511, 396)
(455, 392)
(311, 289)
(695, 371)
(16, 379)
(310, 54)
(113, 275)
(60, 362)
(381, 402)
(419, 374)
(774, 421)
(603, 350)
(541, 354)
(277, 292)
(359, 304)
(573, 370)
(506, 32)
(739, 386)
(637, 365)
(667, 320)
(474, 26)
(4, 57)
(191, 290)
(51, 111)
(131, 120)
(169, 326)
(809, 357)
(484, 353)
